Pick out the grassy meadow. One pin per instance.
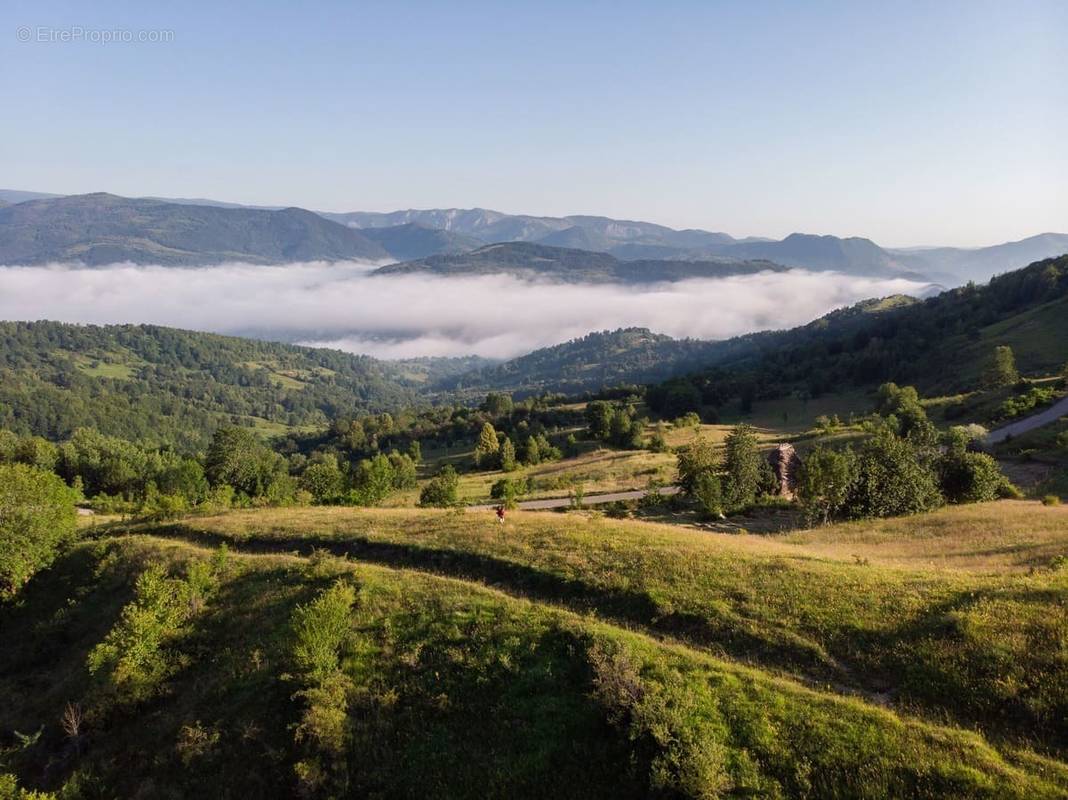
(458, 688)
(958, 615)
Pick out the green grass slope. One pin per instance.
(448, 689)
(980, 645)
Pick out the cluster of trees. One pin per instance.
(727, 483)
(238, 469)
(904, 466)
(498, 452)
(616, 423)
(445, 427)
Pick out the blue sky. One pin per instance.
(909, 123)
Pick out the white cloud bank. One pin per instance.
(339, 305)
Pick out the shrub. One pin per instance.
(967, 477)
(320, 628)
(441, 491)
(1051, 500)
(321, 631)
(509, 490)
(892, 478)
(37, 517)
(134, 659)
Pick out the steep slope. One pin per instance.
(982, 263)
(854, 256)
(167, 386)
(98, 229)
(529, 260)
(412, 241)
(941, 344)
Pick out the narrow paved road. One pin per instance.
(591, 500)
(1051, 414)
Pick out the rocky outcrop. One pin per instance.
(785, 463)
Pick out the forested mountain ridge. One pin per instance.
(172, 387)
(98, 229)
(597, 360)
(525, 259)
(941, 344)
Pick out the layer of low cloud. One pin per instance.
(498, 316)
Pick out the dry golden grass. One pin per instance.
(1005, 536)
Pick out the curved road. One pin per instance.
(591, 500)
(1051, 414)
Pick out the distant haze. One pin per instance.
(932, 123)
(339, 305)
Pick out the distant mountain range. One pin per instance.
(99, 228)
(526, 259)
(630, 240)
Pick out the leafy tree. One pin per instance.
(741, 463)
(37, 517)
(658, 443)
(531, 452)
(415, 451)
(509, 463)
(185, 478)
(708, 491)
(488, 447)
(968, 477)
(1001, 371)
(625, 430)
(239, 459)
(35, 451)
(509, 490)
(498, 404)
(902, 403)
(824, 482)
(694, 461)
(323, 480)
(9, 442)
(892, 479)
(373, 481)
(441, 491)
(599, 414)
(107, 463)
(405, 474)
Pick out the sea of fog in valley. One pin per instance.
(497, 316)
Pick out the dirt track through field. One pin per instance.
(591, 500)
(1051, 414)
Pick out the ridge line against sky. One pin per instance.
(912, 125)
(279, 206)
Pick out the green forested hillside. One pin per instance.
(526, 259)
(941, 344)
(167, 386)
(102, 228)
(604, 358)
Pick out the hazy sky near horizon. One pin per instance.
(910, 123)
